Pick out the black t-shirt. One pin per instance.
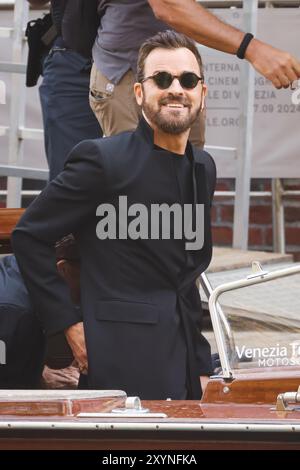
(184, 175)
(183, 170)
(76, 21)
(57, 11)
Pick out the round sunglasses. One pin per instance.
(163, 80)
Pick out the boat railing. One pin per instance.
(224, 338)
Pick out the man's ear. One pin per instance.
(138, 91)
(204, 93)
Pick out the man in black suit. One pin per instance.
(140, 304)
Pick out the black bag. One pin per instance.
(40, 35)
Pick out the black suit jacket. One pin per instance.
(140, 305)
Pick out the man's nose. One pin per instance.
(175, 86)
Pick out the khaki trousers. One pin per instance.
(116, 108)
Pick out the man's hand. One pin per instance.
(66, 378)
(75, 337)
(280, 67)
(192, 19)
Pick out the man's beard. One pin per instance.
(170, 124)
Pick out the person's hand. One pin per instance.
(75, 337)
(280, 67)
(66, 378)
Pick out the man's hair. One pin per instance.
(165, 40)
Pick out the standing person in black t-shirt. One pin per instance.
(64, 91)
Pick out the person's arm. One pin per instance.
(62, 208)
(192, 19)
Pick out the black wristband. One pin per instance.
(244, 44)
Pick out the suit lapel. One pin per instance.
(198, 260)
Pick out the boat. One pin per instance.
(248, 403)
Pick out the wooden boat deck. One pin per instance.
(188, 425)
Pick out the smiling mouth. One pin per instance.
(175, 105)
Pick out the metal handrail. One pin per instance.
(257, 277)
(206, 286)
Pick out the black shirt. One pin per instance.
(184, 176)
